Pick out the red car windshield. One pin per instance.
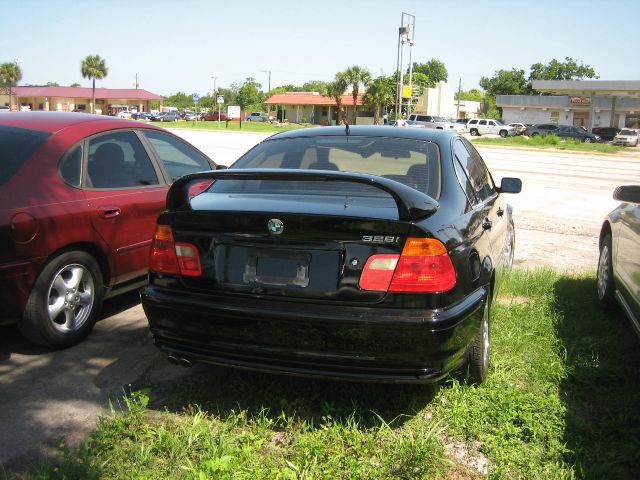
(16, 145)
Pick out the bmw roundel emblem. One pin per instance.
(275, 226)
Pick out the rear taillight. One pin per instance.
(423, 266)
(166, 256)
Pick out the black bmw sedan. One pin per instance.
(365, 253)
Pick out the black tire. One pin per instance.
(64, 302)
(586, 140)
(503, 133)
(474, 132)
(477, 361)
(605, 282)
(535, 134)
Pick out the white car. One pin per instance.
(4, 108)
(259, 117)
(489, 126)
(628, 137)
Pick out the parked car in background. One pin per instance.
(191, 116)
(605, 133)
(619, 260)
(165, 117)
(141, 116)
(577, 133)
(628, 137)
(209, 116)
(370, 253)
(259, 117)
(4, 109)
(489, 126)
(520, 127)
(79, 199)
(431, 121)
(539, 129)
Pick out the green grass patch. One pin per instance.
(549, 141)
(561, 401)
(253, 127)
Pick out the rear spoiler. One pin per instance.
(412, 204)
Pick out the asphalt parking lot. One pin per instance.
(46, 395)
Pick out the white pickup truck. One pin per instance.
(487, 126)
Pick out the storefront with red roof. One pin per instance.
(108, 100)
(317, 109)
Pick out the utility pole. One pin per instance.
(458, 102)
(268, 72)
(215, 92)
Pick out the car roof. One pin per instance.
(54, 122)
(426, 134)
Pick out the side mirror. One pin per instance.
(510, 185)
(627, 193)
(221, 167)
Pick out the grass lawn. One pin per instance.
(254, 127)
(548, 141)
(561, 401)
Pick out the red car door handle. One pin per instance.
(110, 212)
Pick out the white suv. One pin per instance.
(485, 126)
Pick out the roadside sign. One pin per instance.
(220, 99)
(233, 111)
(195, 97)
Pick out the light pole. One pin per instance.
(405, 35)
(16, 61)
(268, 72)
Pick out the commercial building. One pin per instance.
(440, 101)
(585, 103)
(317, 109)
(108, 100)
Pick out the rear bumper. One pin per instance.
(315, 339)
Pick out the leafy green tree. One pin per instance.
(249, 95)
(434, 70)
(315, 86)
(506, 82)
(380, 93)
(52, 84)
(335, 90)
(570, 69)
(356, 76)
(179, 100)
(76, 84)
(10, 75)
(474, 95)
(93, 66)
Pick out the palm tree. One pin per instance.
(335, 90)
(93, 67)
(356, 76)
(10, 75)
(380, 92)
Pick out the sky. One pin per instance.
(179, 45)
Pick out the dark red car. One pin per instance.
(79, 199)
(214, 116)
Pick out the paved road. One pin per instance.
(45, 395)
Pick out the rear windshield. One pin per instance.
(412, 162)
(16, 144)
(627, 132)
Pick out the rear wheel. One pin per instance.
(474, 132)
(586, 140)
(64, 302)
(503, 133)
(477, 363)
(535, 134)
(605, 274)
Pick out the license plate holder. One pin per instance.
(277, 267)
